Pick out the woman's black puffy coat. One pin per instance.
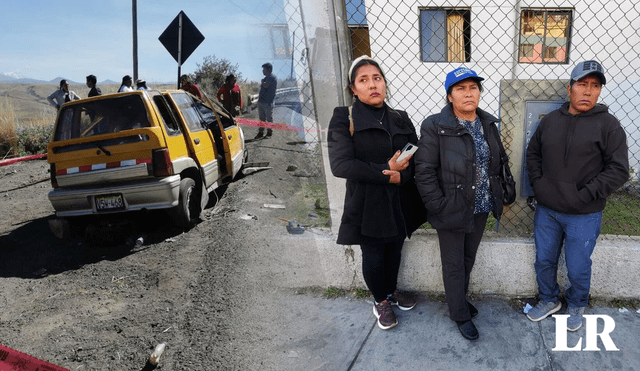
(445, 169)
(374, 209)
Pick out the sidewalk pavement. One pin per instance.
(342, 335)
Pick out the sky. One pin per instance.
(74, 38)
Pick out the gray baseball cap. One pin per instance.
(588, 68)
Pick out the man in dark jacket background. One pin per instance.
(576, 158)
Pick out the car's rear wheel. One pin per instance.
(188, 210)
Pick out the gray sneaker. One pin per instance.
(543, 309)
(574, 322)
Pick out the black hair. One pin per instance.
(93, 79)
(446, 97)
(354, 71)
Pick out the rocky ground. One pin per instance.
(100, 304)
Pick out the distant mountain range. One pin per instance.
(13, 79)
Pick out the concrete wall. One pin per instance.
(504, 267)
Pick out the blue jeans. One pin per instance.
(579, 233)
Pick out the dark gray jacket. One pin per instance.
(576, 161)
(446, 171)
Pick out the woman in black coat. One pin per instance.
(382, 206)
(457, 167)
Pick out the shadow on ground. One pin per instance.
(32, 251)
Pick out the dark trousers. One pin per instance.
(380, 265)
(458, 254)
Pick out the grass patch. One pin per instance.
(23, 137)
(625, 303)
(359, 293)
(333, 292)
(622, 213)
(8, 136)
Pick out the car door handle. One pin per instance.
(196, 141)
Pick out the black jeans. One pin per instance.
(380, 265)
(458, 254)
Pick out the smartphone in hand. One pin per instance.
(407, 151)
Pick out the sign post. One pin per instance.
(180, 39)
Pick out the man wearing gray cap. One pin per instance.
(576, 158)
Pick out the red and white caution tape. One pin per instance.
(10, 161)
(272, 125)
(11, 359)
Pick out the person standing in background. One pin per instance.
(94, 90)
(266, 96)
(62, 95)
(188, 86)
(141, 85)
(230, 96)
(127, 81)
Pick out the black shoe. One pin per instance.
(472, 310)
(468, 330)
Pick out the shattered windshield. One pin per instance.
(112, 115)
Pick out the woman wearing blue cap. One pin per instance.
(457, 167)
(382, 206)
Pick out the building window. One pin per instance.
(550, 52)
(358, 28)
(445, 35)
(280, 43)
(545, 36)
(526, 50)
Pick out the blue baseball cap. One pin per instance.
(586, 68)
(459, 74)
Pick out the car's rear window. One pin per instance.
(112, 115)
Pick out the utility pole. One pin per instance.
(134, 10)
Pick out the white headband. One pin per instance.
(356, 62)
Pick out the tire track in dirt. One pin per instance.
(31, 90)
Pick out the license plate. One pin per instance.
(109, 202)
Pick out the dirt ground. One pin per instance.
(98, 304)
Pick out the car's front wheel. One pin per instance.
(188, 210)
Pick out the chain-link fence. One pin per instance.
(280, 39)
(526, 51)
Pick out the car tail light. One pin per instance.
(162, 165)
(52, 171)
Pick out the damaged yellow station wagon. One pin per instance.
(142, 150)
